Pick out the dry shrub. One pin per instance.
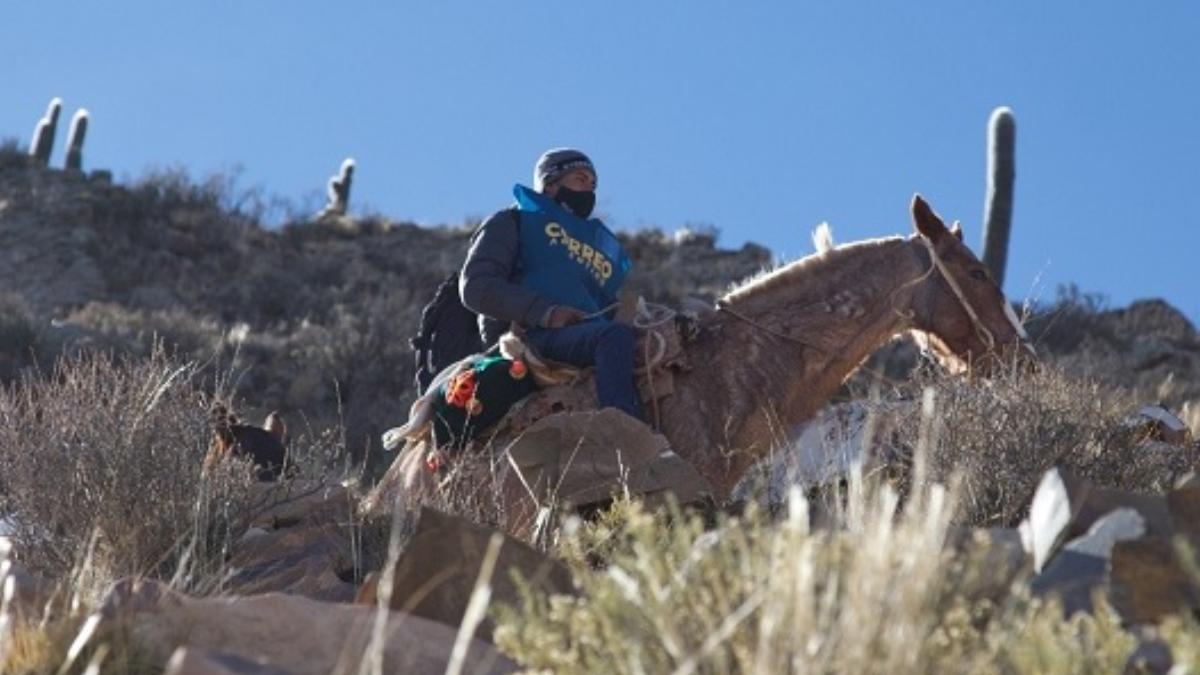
(111, 326)
(111, 449)
(20, 336)
(879, 593)
(12, 156)
(1002, 434)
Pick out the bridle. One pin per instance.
(981, 331)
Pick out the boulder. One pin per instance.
(1066, 506)
(585, 458)
(436, 572)
(574, 459)
(1076, 572)
(193, 661)
(280, 633)
(1149, 583)
(300, 560)
(995, 558)
(1154, 422)
(1152, 656)
(298, 544)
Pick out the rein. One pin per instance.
(723, 306)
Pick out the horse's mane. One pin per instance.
(812, 271)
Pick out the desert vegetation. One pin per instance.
(127, 312)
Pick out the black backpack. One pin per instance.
(449, 331)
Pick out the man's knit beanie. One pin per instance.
(556, 163)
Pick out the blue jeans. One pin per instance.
(607, 345)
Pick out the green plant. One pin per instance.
(43, 133)
(75, 136)
(997, 224)
(879, 592)
(339, 190)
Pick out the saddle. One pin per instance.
(659, 355)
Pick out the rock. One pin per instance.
(1081, 567)
(1073, 577)
(1184, 505)
(1154, 422)
(588, 457)
(192, 661)
(994, 559)
(301, 560)
(297, 545)
(1151, 657)
(1149, 582)
(1065, 506)
(1123, 524)
(1049, 515)
(436, 572)
(281, 633)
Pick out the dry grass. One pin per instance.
(877, 591)
(1002, 434)
(881, 593)
(110, 450)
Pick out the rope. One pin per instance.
(981, 331)
(723, 306)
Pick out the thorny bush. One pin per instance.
(105, 454)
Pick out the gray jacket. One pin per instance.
(490, 280)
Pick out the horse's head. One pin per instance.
(958, 306)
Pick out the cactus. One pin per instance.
(43, 133)
(339, 190)
(79, 124)
(997, 209)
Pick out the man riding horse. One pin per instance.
(548, 267)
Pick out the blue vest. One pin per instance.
(569, 260)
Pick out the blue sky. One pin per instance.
(762, 119)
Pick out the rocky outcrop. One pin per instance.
(279, 633)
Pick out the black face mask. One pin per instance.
(579, 203)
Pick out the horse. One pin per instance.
(776, 348)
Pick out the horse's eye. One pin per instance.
(979, 275)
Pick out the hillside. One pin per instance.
(312, 318)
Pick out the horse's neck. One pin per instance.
(786, 344)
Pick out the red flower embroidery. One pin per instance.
(461, 389)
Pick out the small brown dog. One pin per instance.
(264, 445)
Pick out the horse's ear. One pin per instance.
(956, 230)
(926, 221)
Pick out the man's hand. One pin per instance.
(562, 315)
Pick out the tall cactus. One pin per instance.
(339, 190)
(997, 210)
(79, 125)
(43, 133)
